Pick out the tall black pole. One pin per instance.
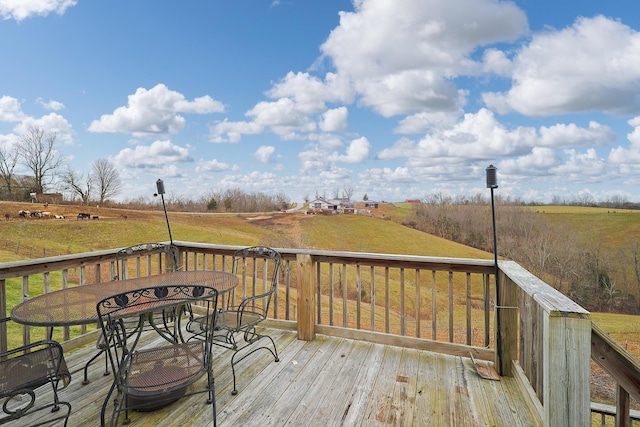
(160, 189)
(492, 183)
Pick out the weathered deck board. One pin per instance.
(325, 382)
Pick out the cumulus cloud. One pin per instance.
(211, 166)
(227, 131)
(52, 122)
(334, 120)
(594, 65)
(154, 111)
(481, 136)
(156, 155)
(264, 153)
(10, 110)
(50, 104)
(319, 157)
(401, 55)
(283, 116)
(23, 9)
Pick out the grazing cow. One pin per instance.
(7, 216)
(24, 214)
(123, 217)
(59, 216)
(95, 217)
(83, 216)
(36, 214)
(46, 214)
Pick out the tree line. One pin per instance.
(576, 264)
(36, 150)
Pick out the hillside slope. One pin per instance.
(119, 227)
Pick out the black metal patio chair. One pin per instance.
(161, 318)
(157, 374)
(25, 369)
(236, 325)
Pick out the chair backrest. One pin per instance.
(260, 264)
(170, 257)
(116, 309)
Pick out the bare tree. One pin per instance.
(347, 191)
(37, 152)
(106, 178)
(8, 161)
(76, 183)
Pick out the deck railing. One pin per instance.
(439, 304)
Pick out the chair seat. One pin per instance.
(32, 370)
(164, 369)
(232, 320)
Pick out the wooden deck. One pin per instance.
(326, 382)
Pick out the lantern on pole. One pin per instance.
(160, 191)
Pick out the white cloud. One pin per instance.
(227, 131)
(401, 55)
(23, 9)
(283, 117)
(211, 166)
(10, 110)
(592, 65)
(334, 120)
(50, 105)
(357, 152)
(310, 93)
(52, 122)
(156, 155)
(535, 163)
(571, 135)
(154, 111)
(264, 153)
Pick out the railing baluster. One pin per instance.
(358, 295)
(434, 306)
(468, 297)
(403, 315)
(451, 306)
(5, 315)
(387, 291)
(26, 331)
(345, 296)
(372, 298)
(331, 291)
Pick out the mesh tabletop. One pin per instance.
(77, 305)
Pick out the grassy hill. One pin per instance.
(111, 230)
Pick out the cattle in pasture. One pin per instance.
(24, 214)
(84, 215)
(7, 216)
(46, 214)
(123, 217)
(95, 217)
(59, 216)
(36, 214)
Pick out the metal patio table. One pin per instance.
(77, 305)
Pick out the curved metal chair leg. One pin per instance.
(256, 338)
(106, 372)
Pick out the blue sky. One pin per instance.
(393, 99)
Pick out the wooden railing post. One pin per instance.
(306, 298)
(507, 330)
(4, 315)
(567, 369)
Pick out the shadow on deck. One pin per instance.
(326, 382)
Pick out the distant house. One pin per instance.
(413, 201)
(322, 205)
(371, 204)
